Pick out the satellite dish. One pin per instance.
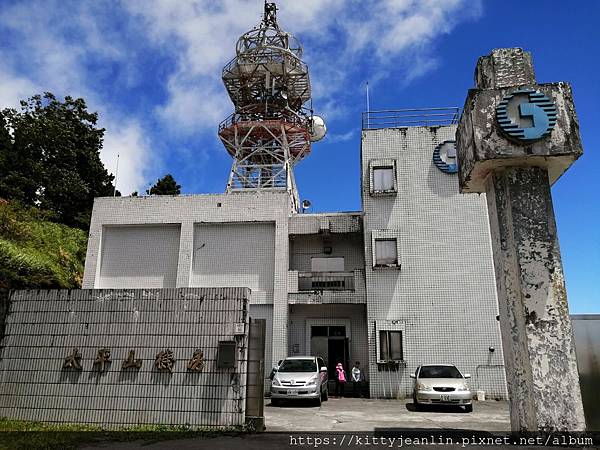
(306, 204)
(318, 130)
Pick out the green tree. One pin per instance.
(165, 186)
(50, 157)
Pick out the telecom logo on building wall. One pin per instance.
(444, 157)
(526, 115)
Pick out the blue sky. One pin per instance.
(152, 70)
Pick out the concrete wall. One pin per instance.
(139, 256)
(43, 327)
(238, 239)
(444, 296)
(265, 312)
(347, 246)
(235, 254)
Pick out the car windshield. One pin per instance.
(298, 365)
(439, 372)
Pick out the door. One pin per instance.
(319, 347)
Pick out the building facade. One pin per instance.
(331, 284)
(408, 280)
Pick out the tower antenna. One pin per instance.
(271, 129)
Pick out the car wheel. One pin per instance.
(325, 395)
(318, 401)
(469, 408)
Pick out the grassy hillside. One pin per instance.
(36, 253)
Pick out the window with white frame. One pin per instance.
(383, 176)
(383, 179)
(390, 346)
(386, 252)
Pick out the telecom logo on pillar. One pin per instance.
(526, 115)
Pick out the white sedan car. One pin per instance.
(441, 384)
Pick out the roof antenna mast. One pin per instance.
(273, 126)
(270, 15)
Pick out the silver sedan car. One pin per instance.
(300, 377)
(441, 384)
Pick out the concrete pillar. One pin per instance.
(186, 254)
(515, 138)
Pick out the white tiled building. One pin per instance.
(408, 280)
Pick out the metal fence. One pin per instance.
(400, 118)
(325, 281)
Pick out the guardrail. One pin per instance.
(400, 118)
(325, 281)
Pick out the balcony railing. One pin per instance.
(325, 281)
(399, 118)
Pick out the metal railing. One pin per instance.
(325, 281)
(400, 118)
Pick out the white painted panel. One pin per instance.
(327, 264)
(142, 256)
(236, 255)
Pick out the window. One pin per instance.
(386, 252)
(383, 178)
(331, 331)
(298, 365)
(390, 346)
(382, 174)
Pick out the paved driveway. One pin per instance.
(354, 414)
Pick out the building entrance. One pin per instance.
(330, 343)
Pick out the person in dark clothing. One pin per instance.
(358, 378)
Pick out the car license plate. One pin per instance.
(444, 398)
(290, 392)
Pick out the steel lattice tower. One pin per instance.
(271, 129)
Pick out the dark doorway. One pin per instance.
(338, 352)
(330, 343)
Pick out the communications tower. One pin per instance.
(273, 124)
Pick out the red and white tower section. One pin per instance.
(273, 126)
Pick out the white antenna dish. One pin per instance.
(306, 204)
(318, 130)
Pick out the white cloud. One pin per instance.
(13, 89)
(194, 104)
(338, 33)
(65, 46)
(126, 140)
(53, 53)
(343, 137)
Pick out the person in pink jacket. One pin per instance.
(340, 379)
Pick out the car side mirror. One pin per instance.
(323, 369)
(412, 375)
(467, 375)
